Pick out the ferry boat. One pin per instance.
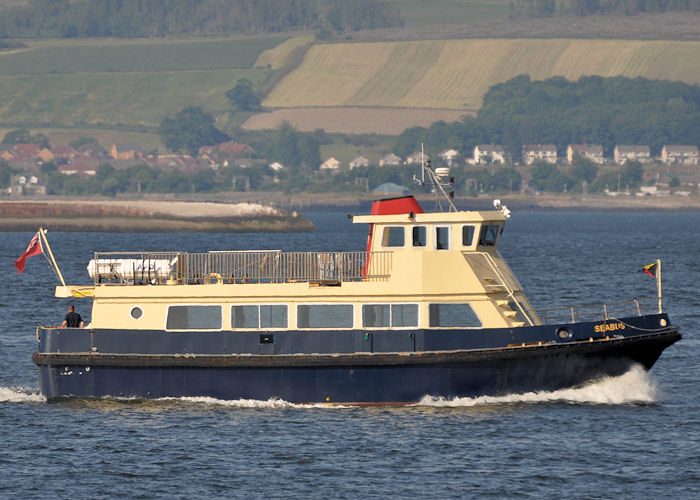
(430, 308)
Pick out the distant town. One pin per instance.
(32, 165)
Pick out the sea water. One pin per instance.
(633, 436)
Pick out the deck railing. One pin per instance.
(593, 312)
(269, 266)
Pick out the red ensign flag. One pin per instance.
(33, 249)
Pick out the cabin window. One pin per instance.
(325, 316)
(488, 235)
(259, 316)
(467, 235)
(393, 236)
(389, 315)
(452, 315)
(420, 236)
(442, 238)
(194, 318)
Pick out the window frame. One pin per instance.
(483, 230)
(449, 236)
(386, 231)
(221, 316)
(474, 233)
(430, 325)
(391, 315)
(259, 327)
(425, 229)
(296, 313)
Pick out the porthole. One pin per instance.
(136, 312)
(563, 333)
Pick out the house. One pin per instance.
(6, 152)
(126, 151)
(46, 155)
(360, 161)
(417, 157)
(489, 153)
(232, 148)
(390, 188)
(543, 152)
(25, 184)
(390, 160)
(593, 152)
(331, 164)
(636, 152)
(276, 166)
(80, 168)
(448, 156)
(62, 151)
(26, 152)
(680, 155)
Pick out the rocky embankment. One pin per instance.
(148, 216)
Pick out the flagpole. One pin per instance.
(53, 259)
(658, 282)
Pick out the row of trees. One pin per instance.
(543, 8)
(24, 136)
(148, 18)
(594, 110)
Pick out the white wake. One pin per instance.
(634, 387)
(20, 395)
(272, 403)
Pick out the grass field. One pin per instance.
(352, 120)
(124, 83)
(431, 12)
(455, 74)
(115, 98)
(134, 56)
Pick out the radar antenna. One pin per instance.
(441, 184)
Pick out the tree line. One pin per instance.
(543, 8)
(592, 110)
(159, 18)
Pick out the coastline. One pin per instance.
(73, 215)
(273, 212)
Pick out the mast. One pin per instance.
(434, 182)
(52, 261)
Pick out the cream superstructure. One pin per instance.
(420, 262)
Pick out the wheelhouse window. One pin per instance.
(442, 238)
(193, 318)
(452, 315)
(325, 316)
(420, 236)
(393, 236)
(259, 316)
(468, 235)
(389, 315)
(489, 235)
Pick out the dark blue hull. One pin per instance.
(343, 367)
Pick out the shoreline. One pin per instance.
(72, 215)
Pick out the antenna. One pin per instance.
(435, 181)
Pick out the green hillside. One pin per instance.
(124, 83)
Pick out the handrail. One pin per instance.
(247, 266)
(593, 312)
(504, 283)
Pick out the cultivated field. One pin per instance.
(353, 120)
(123, 82)
(280, 55)
(455, 74)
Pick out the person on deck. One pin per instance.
(73, 319)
